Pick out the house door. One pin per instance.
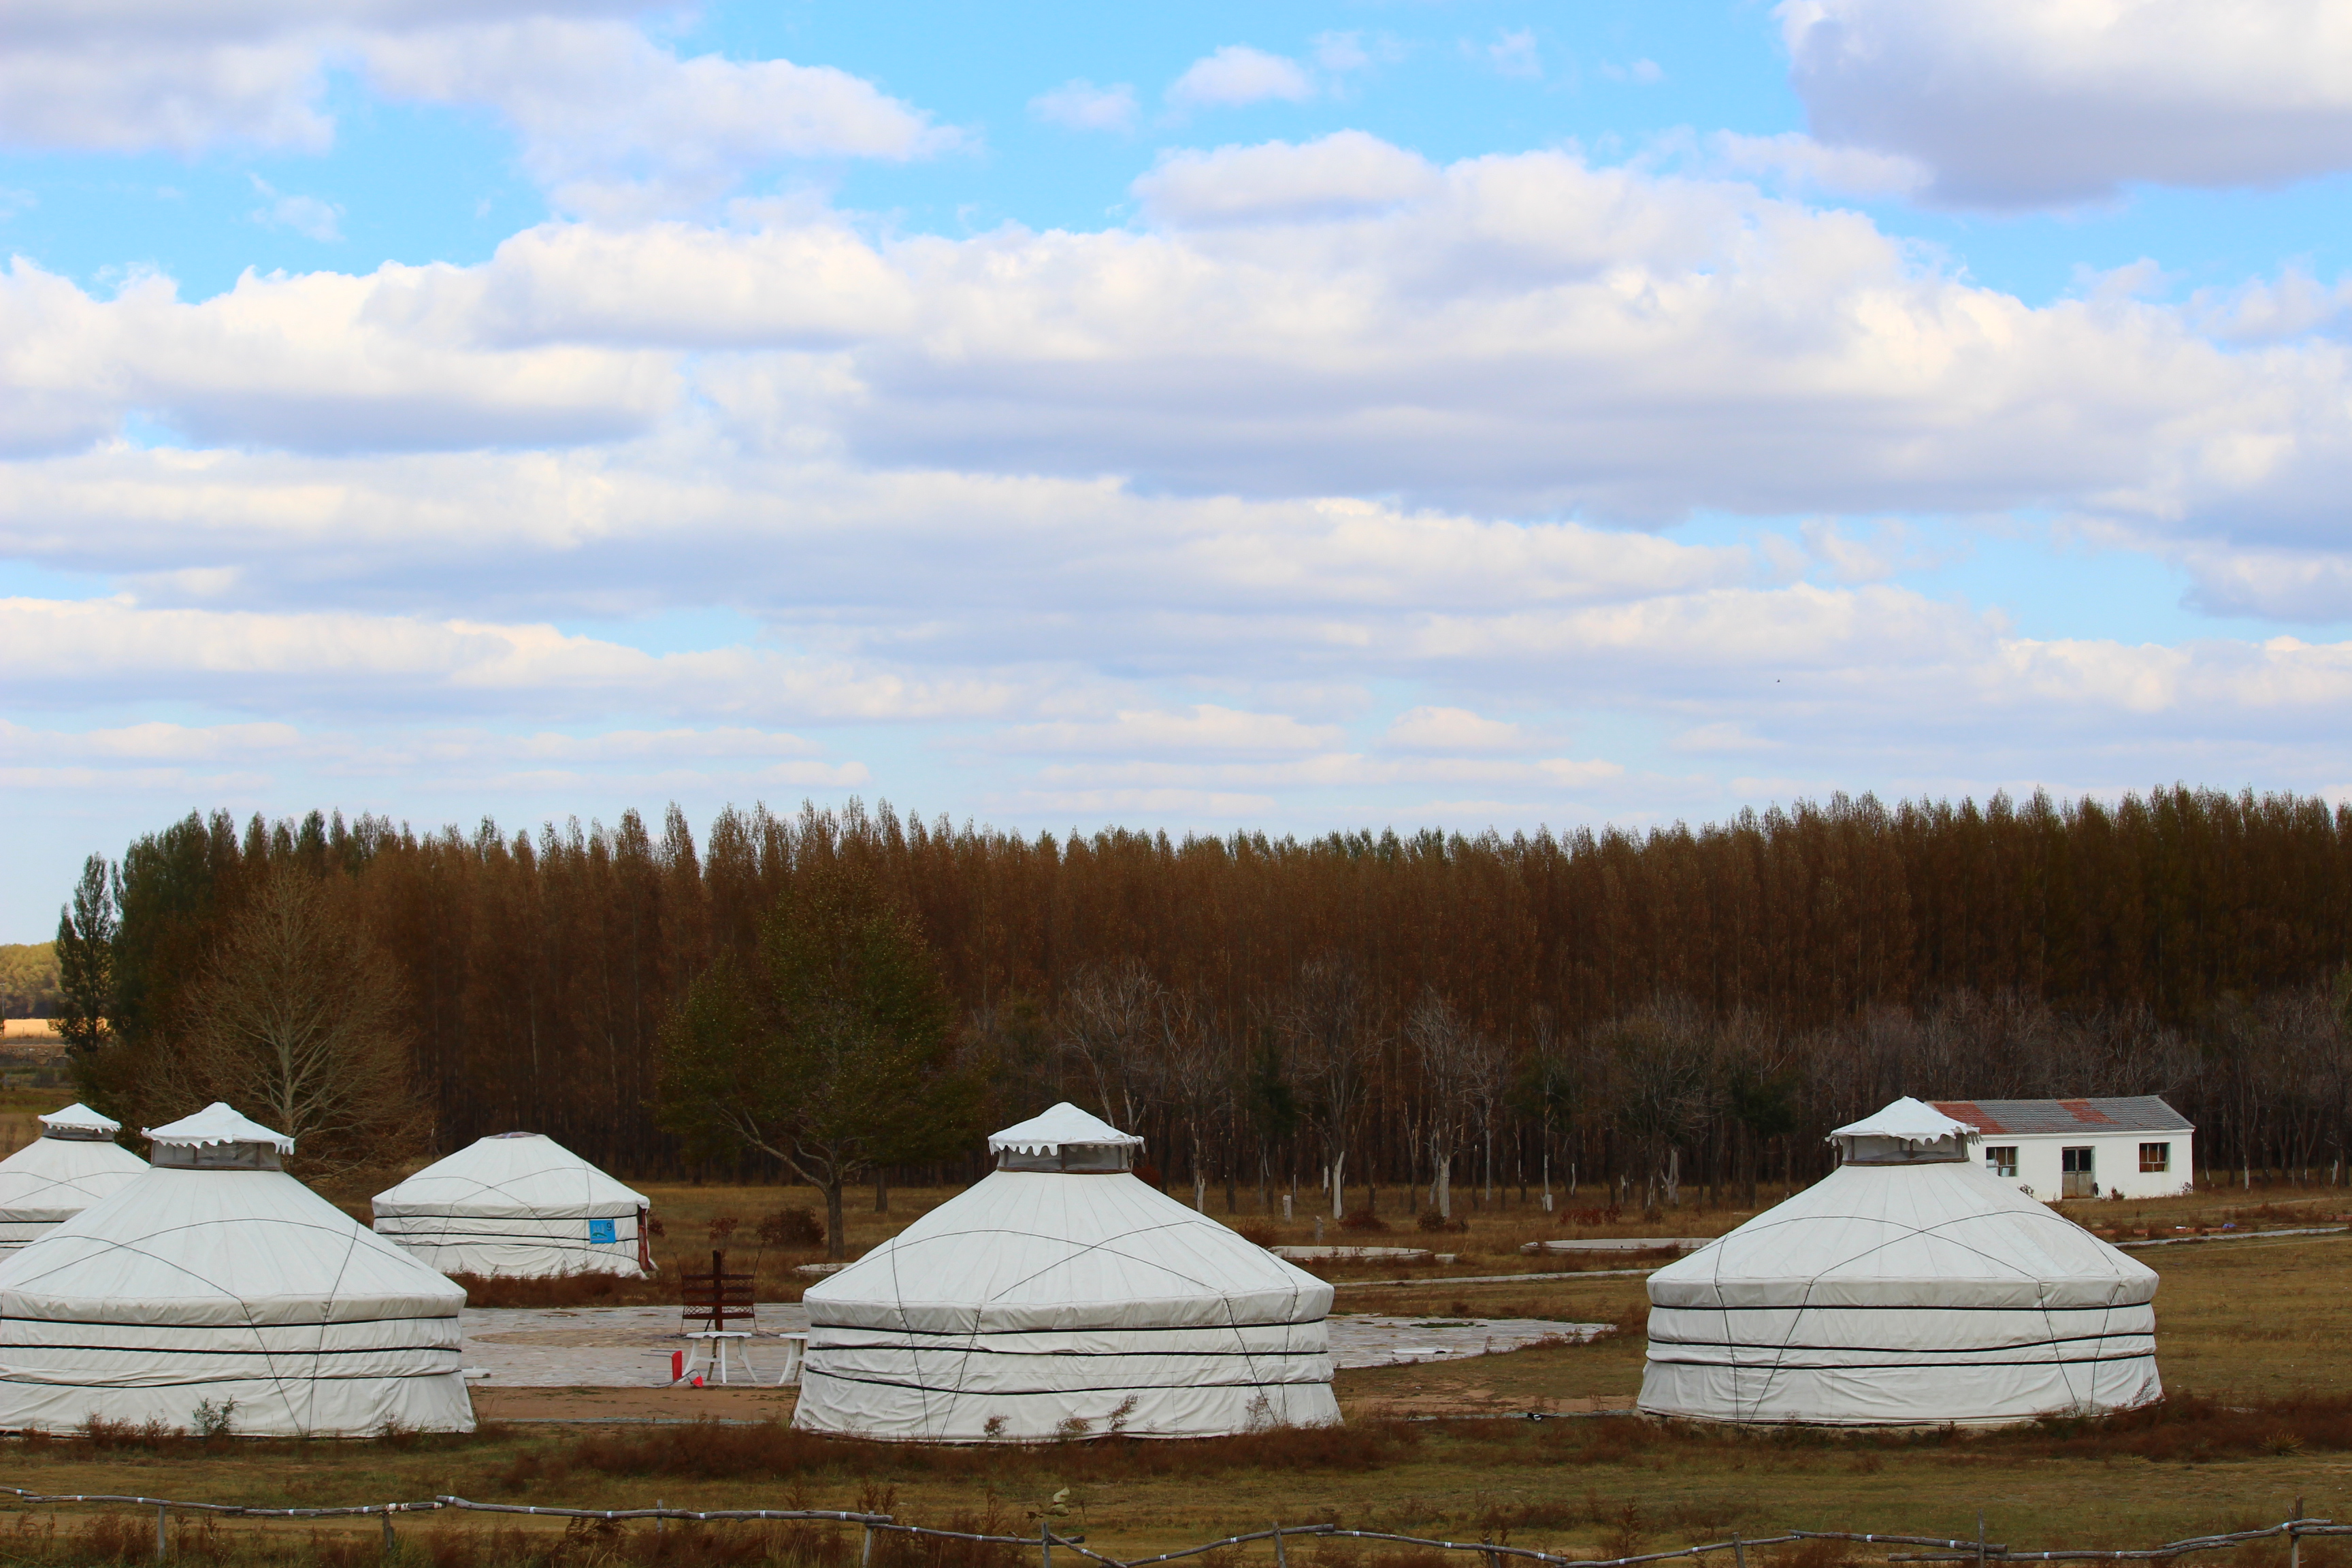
(2077, 1178)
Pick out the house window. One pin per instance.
(2155, 1156)
(2001, 1161)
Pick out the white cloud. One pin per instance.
(1513, 54)
(1876, 552)
(1521, 335)
(306, 215)
(1451, 730)
(1342, 53)
(1079, 105)
(98, 650)
(609, 120)
(318, 360)
(1795, 161)
(1204, 727)
(1640, 72)
(248, 759)
(125, 89)
(1237, 74)
(1345, 174)
(2035, 103)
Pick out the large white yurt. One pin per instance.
(1908, 1286)
(73, 1163)
(1060, 1290)
(215, 1277)
(517, 1204)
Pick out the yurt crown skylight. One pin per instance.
(78, 1123)
(218, 1138)
(1065, 1139)
(1906, 1132)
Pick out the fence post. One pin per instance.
(1046, 1546)
(660, 1524)
(2294, 1540)
(161, 1543)
(1980, 1539)
(866, 1549)
(1281, 1558)
(1738, 1553)
(391, 1542)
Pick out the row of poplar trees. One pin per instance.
(1375, 1019)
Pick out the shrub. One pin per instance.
(548, 1290)
(1364, 1219)
(1256, 1231)
(794, 1227)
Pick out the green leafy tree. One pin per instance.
(830, 1050)
(85, 955)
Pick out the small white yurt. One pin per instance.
(1908, 1286)
(1059, 1296)
(215, 1277)
(73, 1163)
(517, 1204)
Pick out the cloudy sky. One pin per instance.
(1295, 416)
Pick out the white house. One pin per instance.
(2131, 1146)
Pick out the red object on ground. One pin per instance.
(676, 1365)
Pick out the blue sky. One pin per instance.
(1293, 416)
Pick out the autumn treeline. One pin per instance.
(1647, 1015)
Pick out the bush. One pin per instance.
(794, 1227)
(546, 1290)
(1256, 1231)
(1364, 1219)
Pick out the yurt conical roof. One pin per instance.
(74, 1163)
(215, 1276)
(1908, 1286)
(1042, 1296)
(515, 1204)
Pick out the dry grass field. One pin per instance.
(2253, 1340)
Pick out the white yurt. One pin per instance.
(73, 1163)
(1908, 1286)
(517, 1204)
(215, 1277)
(1060, 1290)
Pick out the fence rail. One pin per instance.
(1942, 1549)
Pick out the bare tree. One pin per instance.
(1330, 1017)
(1662, 1082)
(1459, 1069)
(1114, 1022)
(296, 1021)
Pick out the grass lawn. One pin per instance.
(2253, 1331)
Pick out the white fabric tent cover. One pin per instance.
(515, 1204)
(1902, 1292)
(1038, 1298)
(208, 1285)
(73, 1164)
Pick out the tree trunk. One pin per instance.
(881, 1190)
(836, 1247)
(1340, 1186)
